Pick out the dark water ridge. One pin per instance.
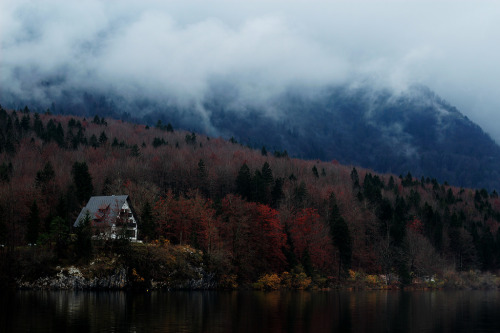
(251, 311)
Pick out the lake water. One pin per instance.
(191, 311)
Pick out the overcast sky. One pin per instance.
(175, 48)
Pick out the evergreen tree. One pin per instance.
(391, 183)
(262, 183)
(82, 180)
(203, 177)
(147, 224)
(83, 244)
(277, 192)
(244, 182)
(315, 171)
(33, 224)
(25, 123)
(487, 250)
(93, 141)
(103, 138)
(355, 178)
(300, 194)
(202, 170)
(263, 151)
(59, 235)
(62, 208)
(10, 147)
(159, 125)
(45, 175)
(267, 174)
(38, 126)
(191, 139)
(135, 151)
(341, 237)
(398, 227)
(59, 135)
(107, 186)
(384, 213)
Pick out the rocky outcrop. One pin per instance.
(71, 278)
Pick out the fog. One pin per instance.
(174, 51)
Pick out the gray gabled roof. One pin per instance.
(115, 202)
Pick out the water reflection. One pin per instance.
(335, 311)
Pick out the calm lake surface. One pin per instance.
(191, 311)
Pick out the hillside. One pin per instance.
(249, 212)
(410, 131)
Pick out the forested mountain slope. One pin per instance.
(410, 131)
(250, 212)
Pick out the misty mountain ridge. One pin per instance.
(390, 132)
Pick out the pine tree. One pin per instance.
(315, 171)
(45, 175)
(93, 141)
(25, 122)
(82, 180)
(38, 126)
(33, 224)
(202, 170)
(263, 151)
(277, 192)
(83, 244)
(399, 219)
(355, 178)
(59, 234)
(147, 224)
(103, 138)
(341, 237)
(244, 182)
(135, 151)
(267, 174)
(203, 178)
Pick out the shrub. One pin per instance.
(228, 281)
(297, 279)
(268, 282)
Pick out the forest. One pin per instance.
(251, 215)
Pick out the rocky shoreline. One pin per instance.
(72, 278)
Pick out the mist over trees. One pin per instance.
(380, 129)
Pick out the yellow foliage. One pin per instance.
(268, 282)
(372, 280)
(352, 275)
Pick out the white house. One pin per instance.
(110, 217)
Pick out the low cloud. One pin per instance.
(174, 51)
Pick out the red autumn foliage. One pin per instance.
(253, 235)
(309, 235)
(186, 220)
